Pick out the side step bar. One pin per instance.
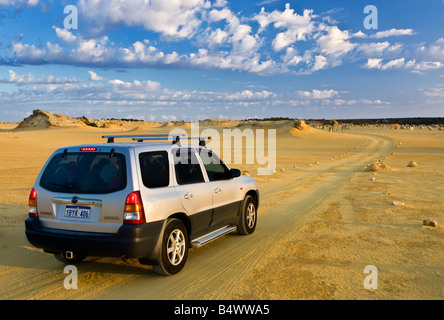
(199, 242)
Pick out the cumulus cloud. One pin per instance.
(136, 86)
(29, 79)
(146, 97)
(229, 61)
(335, 42)
(65, 35)
(142, 52)
(120, 92)
(435, 51)
(399, 63)
(373, 49)
(93, 50)
(392, 33)
(320, 62)
(236, 34)
(19, 3)
(373, 64)
(176, 19)
(267, 42)
(94, 77)
(394, 64)
(28, 53)
(297, 27)
(384, 34)
(248, 95)
(318, 94)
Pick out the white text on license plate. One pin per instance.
(77, 212)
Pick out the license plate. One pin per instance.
(77, 212)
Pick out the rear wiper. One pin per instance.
(66, 186)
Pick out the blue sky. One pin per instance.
(166, 60)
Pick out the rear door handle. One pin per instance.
(188, 196)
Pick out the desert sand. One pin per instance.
(338, 202)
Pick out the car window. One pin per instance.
(85, 172)
(187, 168)
(154, 168)
(216, 169)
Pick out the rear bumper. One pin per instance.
(132, 241)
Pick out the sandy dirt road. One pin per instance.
(215, 271)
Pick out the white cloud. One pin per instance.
(93, 76)
(225, 40)
(392, 33)
(359, 34)
(29, 53)
(169, 117)
(373, 64)
(411, 65)
(291, 57)
(223, 14)
(93, 50)
(318, 94)
(394, 64)
(136, 87)
(435, 51)
(373, 49)
(220, 3)
(123, 93)
(230, 61)
(434, 92)
(320, 63)
(426, 65)
(65, 35)
(29, 79)
(217, 37)
(28, 3)
(177, 19)
(142, 52)
(297, 27)
(238, 35)
(384, 34)
(335, 42)
(248, 95)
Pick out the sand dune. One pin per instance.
(40, 119)
(321, 221)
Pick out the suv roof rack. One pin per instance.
(156, 137)
(143, 137)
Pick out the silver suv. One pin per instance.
(145, 200)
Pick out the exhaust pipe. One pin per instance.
(69, 255)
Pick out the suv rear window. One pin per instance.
(85, 172)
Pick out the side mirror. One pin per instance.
(235, 173)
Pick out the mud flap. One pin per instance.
(154, 257)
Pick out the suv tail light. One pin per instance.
(133, 209)
(32, 204)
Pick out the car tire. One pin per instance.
(62, 258)
(248, 217)
(175, 246)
